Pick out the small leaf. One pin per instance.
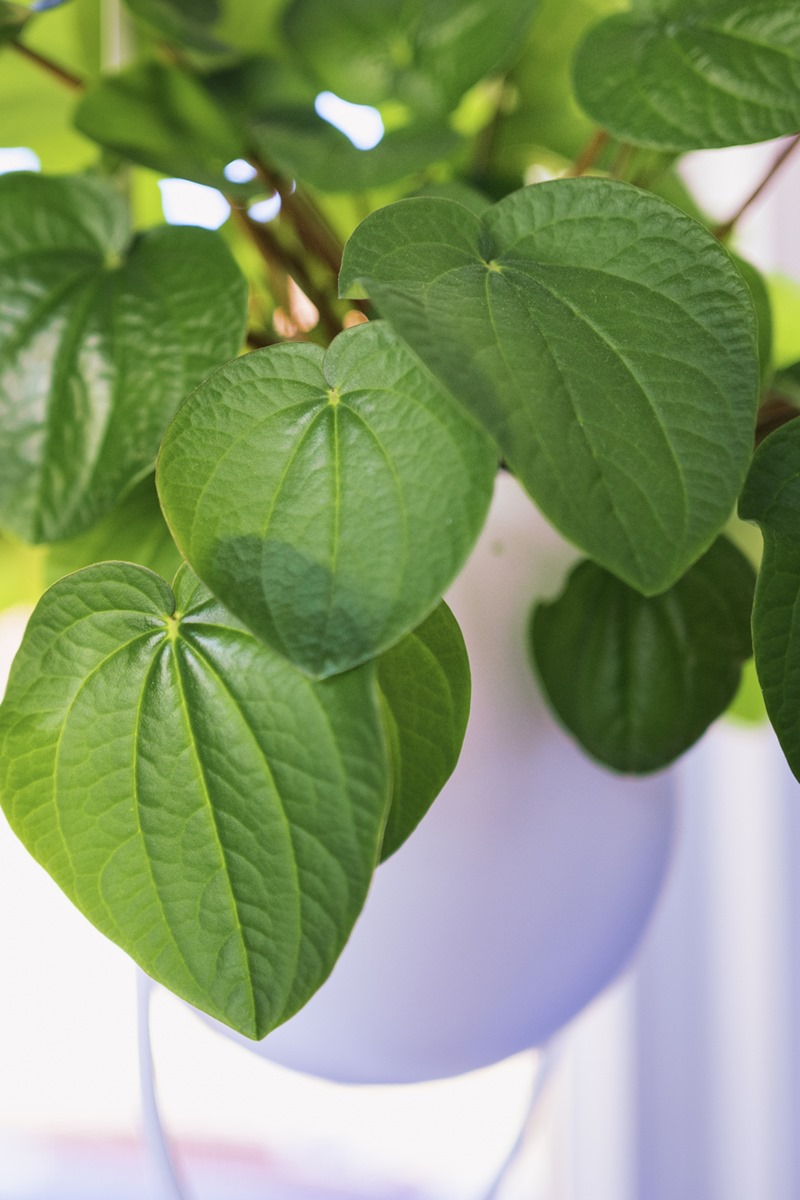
(602, 337)
(134, 532)
(692, 75)
(771, 498)
(638, 680)
(298, 485)
(425, 687)
(162, 117)
(426, 53)
(212, 811)
(99, 343)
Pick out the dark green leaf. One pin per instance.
(12, 19)
(694, 75)
(211, 810)
(161, 116)
(134, 532)
(771, 498)
(98, 346)
(761, 302)
(299, 485)
(424, 53)
(604, 339)
(185, 22)
(638, 680)
(425, 685)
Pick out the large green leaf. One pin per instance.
(425, 686)
(161, 116)
(327, 499)
(690, 75)
(771, 498)
(209, 808)
(424, 53)
(99, 343)
(638, 680)
(605, 340)
(135, 532)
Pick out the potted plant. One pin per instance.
(514, 280)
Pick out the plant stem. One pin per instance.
(723, 231)
(275, 254)
(60, 73)
(590, 153)
(309, 223)
(622, 160)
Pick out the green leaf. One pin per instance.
(603, 338)
(771, 498)
(162, 117)
(212, 811)
(424, 53)
(186, 22)
(298, 484)
(134, 532)
(274, 108)
(638, 680)
(425, 687)
(98, 346)
(693, 76)
(761, 302)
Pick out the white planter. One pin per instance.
(526, 888)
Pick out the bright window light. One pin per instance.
(265, 210)
(240, 171)
(18, 158)
(186, 203)
(359, 122)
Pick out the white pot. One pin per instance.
(525, 889)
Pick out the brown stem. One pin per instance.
(309, 223)
(590, 153)
(723, 231)
(622, 160)
(275, 254)
(60, 73)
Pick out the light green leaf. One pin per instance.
(99, 343)
(299, 485)
(425, 687)
(771, 498)
(723, 73)
(134, 532)
(424, 53)
(603, 338)
(212, 811)
(638, 680)
(162, 117)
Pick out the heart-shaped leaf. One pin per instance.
(771, 498)
(425, 53)
(638, 680)
(425, 687)
(606, 341)
(722, 73)
(298, 484)
(135, 532)
(98, 346)
(210, 809)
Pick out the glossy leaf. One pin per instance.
(638, 680)
(694, 75)
(211, 810)
(298, 484)
(603, 338)
(162, 117)
(135, 532)
(771, 498)
(425, 53)
(425, 686)
(99, 343)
